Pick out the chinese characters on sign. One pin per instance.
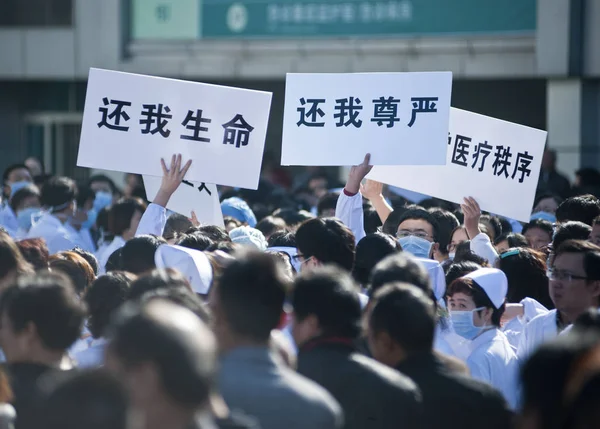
(154, 118)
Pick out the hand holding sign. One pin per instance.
(171, 179)
(372, 190)
(472, 213)
(357, 174)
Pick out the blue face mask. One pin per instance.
(24, 217)
(550, 217)
(417, 246)
(17, 186)
(463, 323)
(92, 215)
(103, 199)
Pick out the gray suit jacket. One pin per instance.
(254, 381)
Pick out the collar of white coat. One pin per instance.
(436, 276)
(486, 337)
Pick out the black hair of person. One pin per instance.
(270, 225)
(507, 228)
(393, 222)
(372, 221)
(215, 233)
(582, 411)
(591, 256)
(525, 270)
(596, 221)
(10, 169)
(331, 295)
(114, 262)
(106, 294)
(49, 302)
(89, 257)
(292, 217)
(327, 202)
(464, 253)
(572, 230)
(22, 194)
(282, 239)
(176, 225)
(137, 255)
(457, 270)
(471, 288)
(400, 267)
(447, 223)
(542, 224)
(228, 247)
(180, 296)
(370, 250)
(459, 215)
(196, 241)
(156, 280)
(84, 195)
(251, 293)
(92, 399)
(328, 240)
(58, 191)
(582, 208)
(494, 222)
(121, 213)
(407, 315)
(589, 319)
(105, 179)
(514, 239)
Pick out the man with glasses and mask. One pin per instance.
(574, 288)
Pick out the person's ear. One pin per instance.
(594, 288)
(434, 249)
(486, 314)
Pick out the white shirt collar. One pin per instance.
(485, 337)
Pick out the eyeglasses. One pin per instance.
(559, 275)
(406, 233)
(302, 259)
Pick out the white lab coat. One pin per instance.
(93, 356)
(539, 330)
(350, 211)
(58, 236)
(514, 328)
(493, 361)
(482, 246)
(153, 221)
(115, 245)
(8, 219)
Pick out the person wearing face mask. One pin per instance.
(416, 231)
(15, 177)
(477, 302)
(58, 199)
(26, 204)
(84, 221)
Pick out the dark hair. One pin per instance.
(58, 191)
(327, 202)
(282, 239)
(464, 253)
(137, 256)
(49, 301)
(589, 319)
(372, 221)
(155, 280)
(400, 267)
(196, 241)
(494, 222)
(92, 399)
(176, 225)
(185, 359)
(394, 220)
(331, 295)
(230, 219)
(181, 296)
(596, 221)
(328, 240)
(514, 239)
(215, 233)
(370, 250)
(105, 179)
(251, 293)
(35, 251)
(571, 230)
(525, 270)
(75, 267)
(543, 195)
(583, 208)
(591, 256)
(19, 197)
(407, 314)
(542, 224)
(12, 168)
(89, 257)
(471, 288)
(506, 225)
(457, 270)
(121, 213)
(293, 217)
(447, 223)
(270, 225)
(104, 297)
(84, 195)
(228, 247)
(114, 261)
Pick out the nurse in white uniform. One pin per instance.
(476, 304)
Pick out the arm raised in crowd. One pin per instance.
(480, 243)
(373, 191)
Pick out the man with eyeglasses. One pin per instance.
(574, 288)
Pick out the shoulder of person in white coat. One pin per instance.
(539, 330)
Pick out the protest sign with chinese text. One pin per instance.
(132, 121)
(494, 161)
(334, 119)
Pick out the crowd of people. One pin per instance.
(318, 305)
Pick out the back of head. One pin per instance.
(292, 217)
(331, 295)
(583, 208)
(114, 262)
(571, 230)
(182, 297)
(492, 223)
(270, 225)
(11, 260)
(35, 251)
(327, 203)
(513, 239)
(177, 224)
(48, 302)
(215, 233)
(370, 250)
(525, 270)
(542, 224)
(406, 314)
(137, 256)
(104, 297)
(282, 239)
(58, 192)
(90, 400)
(372, 221)
(328, 240)
(89, 257)
(459, 269)
(251, 293)
(447, 223)
(74, 267)
(155, 280)
(178, 344)
(400, 267)
(196, 241)
(121, 214)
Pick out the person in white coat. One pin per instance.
(14, 178)
(476, 304)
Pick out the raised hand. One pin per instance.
(372, 190)
(357, 174)
(172, 178)
(472, 213)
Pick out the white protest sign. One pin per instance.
(494, 161)
(132, 121)
(190, 196)
(334, 119)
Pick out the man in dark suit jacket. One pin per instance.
(326, 323)
(401, 331)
